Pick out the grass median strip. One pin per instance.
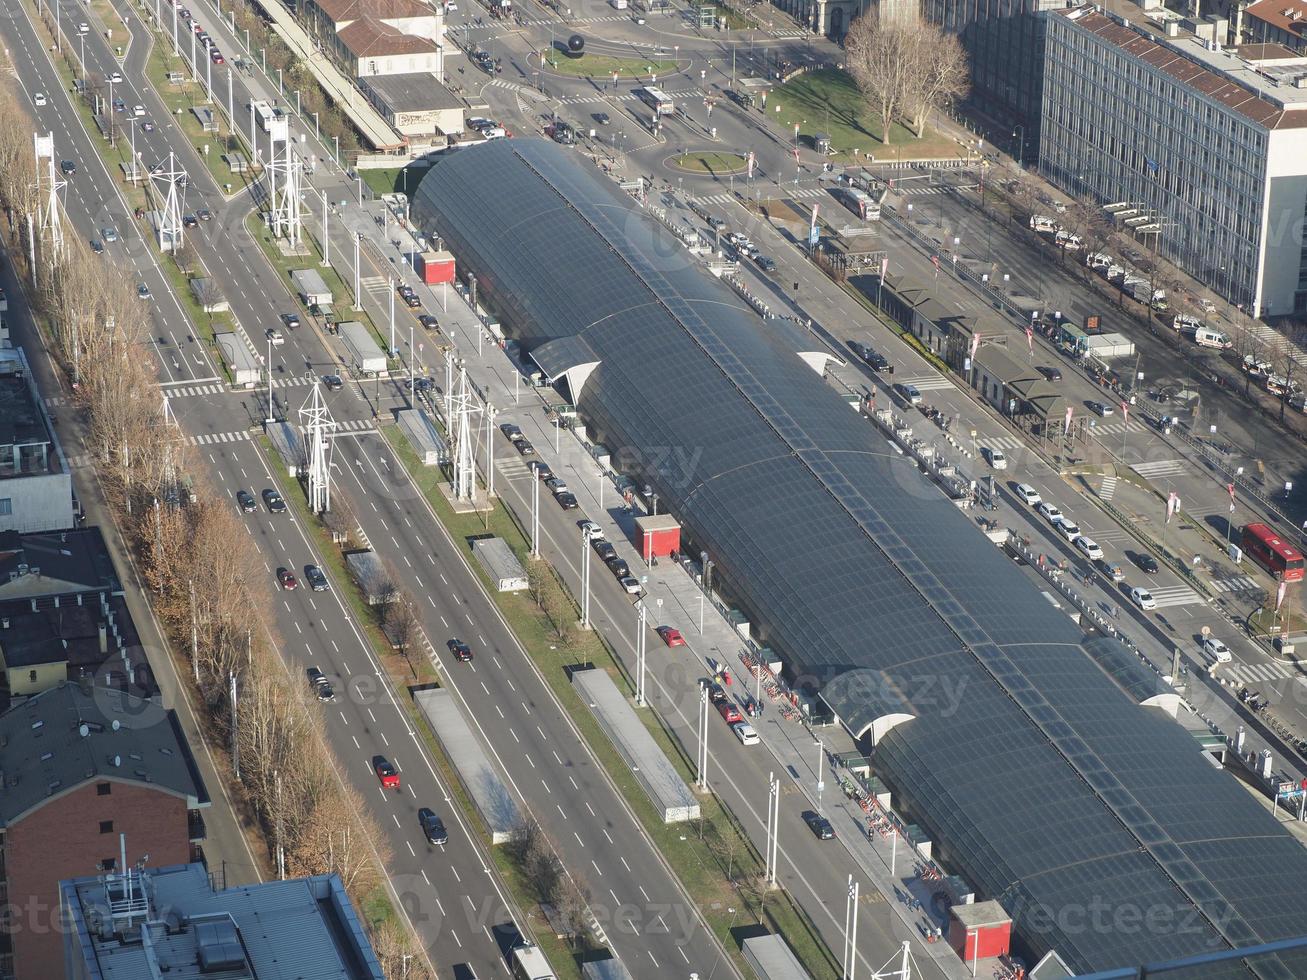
(713, 858)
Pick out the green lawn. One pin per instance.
(603, 65)
(383, 181)
(700, 856)
(828, 101)
(709, 162)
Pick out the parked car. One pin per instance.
(461, 651)
(618, 567)
(511, 431)
(245, 500)
(1049, 511)
(567, 500)
(1089, 547)
(321, 687)
(433, 828)
(1066, 527)
(819, 825)
(603, 549)
(1142, 598)
(716, 693)
(729, 712)
(671, 636)
(286, 579)
(273, 501)
(316, 579)
(1029, 494)
(539, 467)
(745, 733)
(589, 529)
(429, 322)
(1111, 569)
(630, 583)
(524, 447)
(387, 773)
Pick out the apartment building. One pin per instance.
(378, 37)
(36, 487)
(1198, 147)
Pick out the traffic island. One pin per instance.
(710, 162)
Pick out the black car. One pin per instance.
(423, 385)
(205, 214)
(524, 446)
(190, 221)
(291, 320)
(274, 502)
(1147, 563)
(334, 382)
(600, 117)
(461, 651)
(1051, 373)
(819, 825)
(428, 322)
(567, 500)
(764, 263)
(246, 501)
(316, 579)
(511, 431)
(432, 826)
(603, 549)
(539, 467)
(318, 682)
(618, 567)
(68, 167)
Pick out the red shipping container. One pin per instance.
(657, 537)
(979, 931)
(436, 267)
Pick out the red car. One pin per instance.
(729, 712)
(671, 636)
(287, 579)
(387, 773)
(461, 651)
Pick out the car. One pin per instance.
(556, 485)
(204, 214)
(589, 529)
(433, 828)
(996, 458)
(671, 636)
(511, 432)
(274, 502)
(116, 78)
(729, 712)
(245, 500)
(821, 827)
(109, 234)
(292, 320)
(316, 579)
(716, 694)
(119, 105)
(83, 28)
(275, 335)
(461, 651)
(765, 264)
(97, 246)
(1142, 598)
(1051, 373)
(39, 99)
(68, 167)
(603, 549)
(1102, 409)
(1089, 546)
(1111, 569)
(1218, 651)
(320, 686)
(387, 773)
(630, 583)
(1048, 510)
(524, 447)
(190, 221)
(600, 117)
(1147, 563)
(142, 290)
(1066, 527)
(216, 56)
(908, 392)
(333, 382)
(423, 385)
(618, 567)
(539, 467)
(567, 500)
(286, 579)
(429, 322)
(745, 733)
(138, 110)
(147, 126)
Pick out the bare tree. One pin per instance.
(879, 61)
(400, 622)
(938, 73)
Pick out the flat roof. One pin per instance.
(981, 915)
(23, 420)
(657, 522)
(237, 354)
(412, 92)
(772, 959)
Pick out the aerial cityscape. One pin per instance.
(791, 490)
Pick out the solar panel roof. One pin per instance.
(1038, 777)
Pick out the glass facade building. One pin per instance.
(1039, 778)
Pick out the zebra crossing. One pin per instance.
(244, 435)
(1009, 444)
(1236, 583)
(929, 382)
(1255, 673)
(1117, 428)
(1175, 595)
(1108, 488)
(1160, 467)
(375, 285)
(212, 388)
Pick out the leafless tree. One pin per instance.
(938, 73)
(879, 60)
(403, 628)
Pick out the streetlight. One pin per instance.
(1021, 146)
(821, 784)
(280, 91)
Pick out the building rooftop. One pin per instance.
(1287, 15)
(412, 92)
(1267, 94)
(95, 638)
(172, 922)
(1046, 784)
(73, 734)
(348, 10)
(369, 37)
(48, 563)
(27, 442)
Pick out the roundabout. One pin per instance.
(715, 163)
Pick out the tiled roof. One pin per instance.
(343, 10)
(1287, 15)
(368, 37)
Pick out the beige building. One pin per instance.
(378, 37)
(417, 105)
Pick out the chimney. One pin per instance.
(1172, 28)
(104, 639)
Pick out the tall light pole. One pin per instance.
(641, 630)
(392, 316)
(703, 737)
(535, 518)
(851, 929)
(272, 414)
(773, 825)
(358, 238)
(585, 580)
(821, 771)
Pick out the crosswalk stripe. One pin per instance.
(1108, 489)
(1236, 583)
(1175, 595)
(1161, 467)
(1006, 443)
(933, 382)
(1247, 673)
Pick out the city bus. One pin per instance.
(656, 99)
(1272, 552)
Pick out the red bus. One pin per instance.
(1272, 552)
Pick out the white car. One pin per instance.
(275, 336)
(1218, 651)
(138, 110)
(590, 530)
(1143, 598)
(631, 584)
(1089, 546)
(1066, 527)
(745, 733)
(1029, 494)
(39, 99)
(116, 78)
(1049, 511)
(996, 458)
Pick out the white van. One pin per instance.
(1186, 322)
(1207, 337)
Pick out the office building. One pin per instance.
(36, 487)
(1199, 148)
(1276, 22)
(173, 922)
(81, 766)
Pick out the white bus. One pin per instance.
(528, 963)
(263, 112)
(656, 99)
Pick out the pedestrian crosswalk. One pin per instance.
(376, 285)
(929, 382)
(1117, 428)
(1008, 444)
(1254, 673)
(190, 391)
(1107, 489)
(1236, 583)
(1175, 595)
(244, 435)
(1160, 467)
(214, 388)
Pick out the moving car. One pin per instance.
(190, 221)
(142, 290)
(1089, 547)
(275, 335)
(873, 358)
(433, 828)
(292, 320)
(1142, 598)
(286, 578)
(246, 501)
(729, 712)
(97, 246)
(1102, 409)
(1147, 563)
(764, 263)
(1218, 651)
(138, 110)
(671, 636)
(204, 214)
(600, 117)
(68, 167)
(316, 579)
(461, 651)
(39, 99)
(819, 825)
(109, 234)
(996, 458)
(387, 773)
(745, 733)
(333, 382)
(272, 500)
(909, 393)
(321, 688)
(1051, 373)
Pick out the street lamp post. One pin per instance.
(280, 89)
(821, 771)
(1021, 146)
